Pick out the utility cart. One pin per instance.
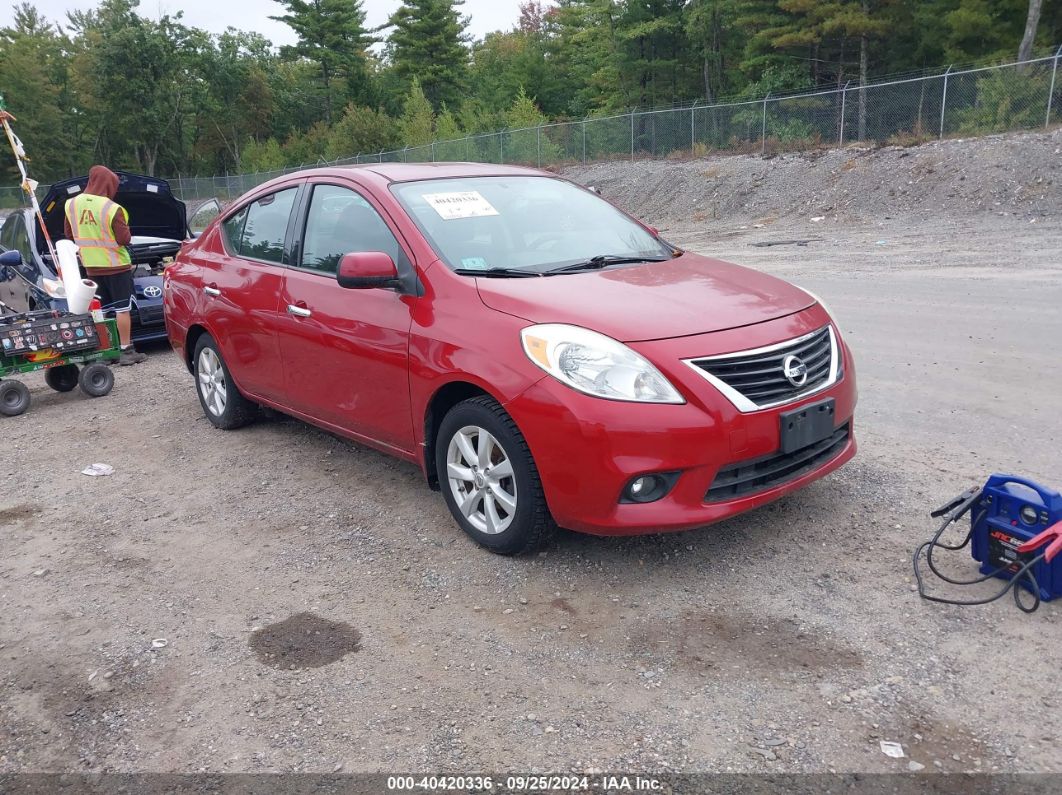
(73, 350)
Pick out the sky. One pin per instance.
(216, 15)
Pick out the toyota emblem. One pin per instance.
(152, 291)
(795, 371)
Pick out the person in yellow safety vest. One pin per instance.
(100, 229)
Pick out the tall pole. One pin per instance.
(844, 102)
(539, 137)
(1051, 93)
(944, 101)
(632, 136)
(763, 133)
(693, 132)
(584, 142)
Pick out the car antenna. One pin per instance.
(29, 186)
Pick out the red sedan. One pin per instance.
(546, 359)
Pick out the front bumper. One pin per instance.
(148, 322)
(588, 449)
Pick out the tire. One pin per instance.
(222, 402)
(492, 521)
(63, 378)
(96, 380)
(14, 398)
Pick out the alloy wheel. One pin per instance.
(481, 479)
(212, 383)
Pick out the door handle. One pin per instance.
(299, 311)
(212, 291)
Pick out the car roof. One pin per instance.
(410, 172)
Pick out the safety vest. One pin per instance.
(90, 220)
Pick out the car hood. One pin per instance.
(153, 209)
(688, 295)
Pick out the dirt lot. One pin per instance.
(786, 640)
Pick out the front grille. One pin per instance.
(150, 315)
(757, 379)
(750, 477)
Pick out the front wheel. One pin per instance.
(14, 398)
(222, 402)
(489, 479)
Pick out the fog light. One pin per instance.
(650, 487)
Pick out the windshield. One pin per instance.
(533, 224)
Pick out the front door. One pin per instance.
(346, 351)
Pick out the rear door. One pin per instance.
(346, 351)
(241, 280)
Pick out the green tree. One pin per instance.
(361, 130)
(715, 41)
(134, 78)
(417, 125)
(428, 43)
(32, 79)
(331, 34)
(239, 98)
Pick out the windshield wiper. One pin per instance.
(603, 261)
(496, 273)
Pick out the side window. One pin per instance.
(21, 242)
(7, 232)
(267, 224)
(232, 228)
(341, 222)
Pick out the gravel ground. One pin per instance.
(275, 599)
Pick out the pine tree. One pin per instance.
(417, 125)
(428, 43)
(332, 34)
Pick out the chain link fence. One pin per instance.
(968, 102)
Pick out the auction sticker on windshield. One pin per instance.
(460, 204)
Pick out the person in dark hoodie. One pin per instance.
(100, 228)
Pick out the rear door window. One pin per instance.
(232, 228)
(267, 226)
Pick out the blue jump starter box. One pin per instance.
(1011, 512)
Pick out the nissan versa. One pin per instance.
(546, 359)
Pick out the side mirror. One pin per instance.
(364, 270)
(11, 259)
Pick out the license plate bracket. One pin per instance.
(806, 425)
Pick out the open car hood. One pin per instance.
(153, 209)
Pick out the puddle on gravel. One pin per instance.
(19, 512)
(563, 604)
(708, 640)
(304, 641)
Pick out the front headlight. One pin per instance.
(54, 288)
(596, 364)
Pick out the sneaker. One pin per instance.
(131, 356)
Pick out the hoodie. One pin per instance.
(104, 182)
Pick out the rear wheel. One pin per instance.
(489, 479)
(14, 398)
(62, 378)
(97, 380)
(222, 402)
